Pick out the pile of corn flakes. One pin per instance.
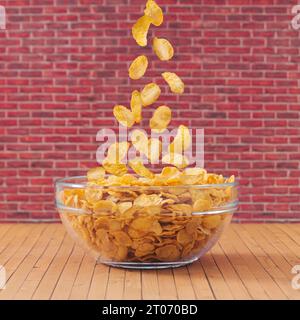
(146, 216)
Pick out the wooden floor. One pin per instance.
(252, 261)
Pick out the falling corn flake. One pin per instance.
(139, 140)
(117, 152)
(140, 30)
(175, 83)
(182, 140)
(176, 159)
(150, 94)
(117, 169)
(138, 67)
(138, 167)
(124, 116)
(154, 12)
(163, 49)
(161, 119)
(129, 217)
(136, 106)
(154, 150)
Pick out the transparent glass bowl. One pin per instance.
(145, 226)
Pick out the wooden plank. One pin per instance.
(200, 282)
(294, 226)
(67, 278)
(4, 229)
(184, 287)
(233, 281)
(83, 280)
(23, 269)
(270, 287)
(132, 285)
(267, 263)
(166, 284)
(99, 282)
(294, 234)
(286, 239)
(10, 244)
(284, 249)
(52, 275)
(250, 261)
(115, 285)
(215, 278)
(241, 267)
(267, 244)
(23, 249)
(41, 266)
(150, 288)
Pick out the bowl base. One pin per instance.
(147, 265)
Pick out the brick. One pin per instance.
(63, 70)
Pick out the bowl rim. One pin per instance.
(63, 182)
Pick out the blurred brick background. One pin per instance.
(63, 67)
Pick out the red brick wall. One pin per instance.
(63, 67)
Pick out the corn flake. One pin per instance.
(140, 30)
(138, 167)
(117, 152)
(136, 106)
(163, 49)
(138, 67)
(161, 119)
(124, 116)
(150, 94)
(117, 169)
(176, 159)
(175, 83)
(154, 12)
(139, 140)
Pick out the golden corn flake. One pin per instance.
(140, 30)
(124, 206)
(138, 167)
(150, 94)
(124, 116)
(211, 221)
(175, 83)
(154, 149)
(117, 169)
(183, 237)
(168, 253)
(182, 140)
(93, 194)
(176, 159)
(138, 67)
(117, 152)
(163, 49)
(202, 204)
(144, 249)
(169, 172)
(139, 140)
(154, 12)
(136, 106)
(105, 206)
(145, 200)
(96, 174)
(161, 119)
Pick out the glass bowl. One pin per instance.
(145, 226)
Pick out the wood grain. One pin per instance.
(251, 261)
